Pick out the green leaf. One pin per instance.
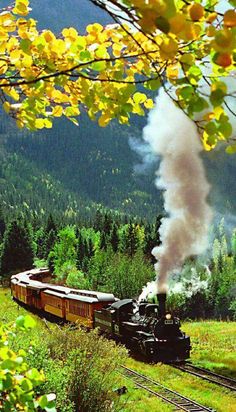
(186, 92)
(211, 128)
(85, 55)
(217, 97)
(99, 66)
(226, 129)
(29, 322)
(163, 24)
(43, 401)
(26, 385)
(153, 84)
(20, 321)
(25, 45)
(199, 104)
(231, 149)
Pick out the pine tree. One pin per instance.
(114, 239)
(103, 241)
(107, 224)
(50, 225)
(17, 250)
(156, 235)
(132, 241)
(90, 248)
(98, 221)
(2, 224)
(80, 251)
(50, 240)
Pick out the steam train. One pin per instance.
(144, 327)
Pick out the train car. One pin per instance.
(73, 305)
(80, 306)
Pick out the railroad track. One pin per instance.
(180, 402)
(206, 374)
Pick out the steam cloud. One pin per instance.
(174, 136)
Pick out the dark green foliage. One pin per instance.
(114, 238)
(103, 241)
(120, 274)
(17, 250)
(50, 239)
(39, 239)
(2, 224)
(50, 225)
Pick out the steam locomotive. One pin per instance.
(144, 327)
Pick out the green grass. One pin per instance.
(213, 347)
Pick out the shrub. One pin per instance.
(76, 279)
(18, 380)
(83, 370)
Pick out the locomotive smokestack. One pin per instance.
(162, 303)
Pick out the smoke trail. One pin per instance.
(174, 136)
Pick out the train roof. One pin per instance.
(81, 298)
(54, 293)
(120, 303)
(26, 279)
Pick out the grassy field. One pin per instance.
(213, 347)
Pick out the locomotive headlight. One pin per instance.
(168, 316)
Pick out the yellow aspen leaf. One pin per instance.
(48, 123)
(104, 120)
(13, 93)
(48, 36)
(168, 48)
(224, 60)
(59, 97)
(218, 111)
(196, 11)
(70, 33)
(230, 18)
(209, 142)
(7, 107)
(172, 71)
(223, 40)
(177, 23)
(139, 98)
(149, 104)
(39, 123)
(187, 58)
(21, 7)
(57, 111)
(211, 17)
(3, 67)
(71, 111)
(20, 123)
(211, 31)
(191, 31)
(27, 61)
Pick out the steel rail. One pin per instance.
(206, 374)
(181, 403)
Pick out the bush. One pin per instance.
(18, 380)
(76, 279)
(83, 370)
(80, 367)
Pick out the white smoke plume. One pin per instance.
(181, 175)
(148, 159)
